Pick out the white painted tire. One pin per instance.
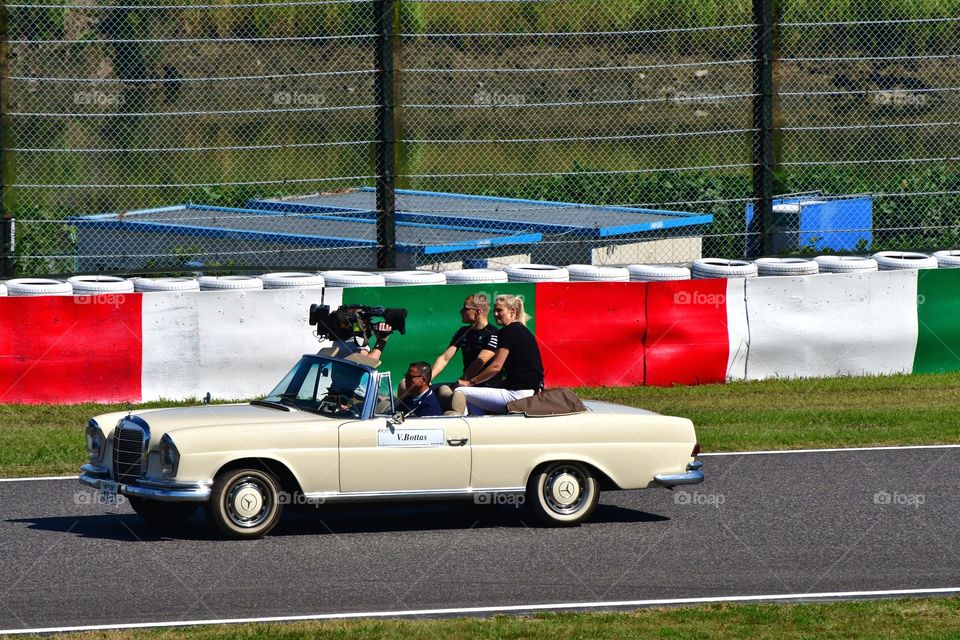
(786, 267)
(220, 283)
(292, 280)
(83, 285)
(657, 273)
(705, 268)
(38, 287)
(3, 289)
(949, 259)
(536, 273)
(591, 273)
(165, 284)
(478, 276)
(845, 264)
(895, 260)
(352, 279)
(412, 278)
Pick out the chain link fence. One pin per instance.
(164, 137)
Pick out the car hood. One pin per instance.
(214, 415)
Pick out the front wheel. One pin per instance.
(245, 503)
(562, 494)
(168, 513)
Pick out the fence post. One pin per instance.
(386, 26)
(769, 235)
(6, 217)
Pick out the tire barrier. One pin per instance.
(706, 268)
(179, 344)
(845, 264)
(657, 273)
(38, 287)
(292, 280)
(165, 284)
(87, 285)
(221, 283)
(894, 260)
(413, 278)
(786, 267)
(479, 276)
(949, 259)
(591, 273)
(536, 273)
(346, 279)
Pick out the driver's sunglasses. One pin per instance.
(462, 309)
(411, 376)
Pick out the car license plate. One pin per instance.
(109, 490)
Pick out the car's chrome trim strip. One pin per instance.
(694, 475)
(157, 489)
(416, 494)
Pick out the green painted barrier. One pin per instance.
(938, 321)
(434, 316)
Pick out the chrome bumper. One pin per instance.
(694, 475)
(163, 491)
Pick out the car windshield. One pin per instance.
(328, 387)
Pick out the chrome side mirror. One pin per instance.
(397, 418)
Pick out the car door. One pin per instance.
(417, 455)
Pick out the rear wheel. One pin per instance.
(245, 503)
(156, 512)
(562, 494)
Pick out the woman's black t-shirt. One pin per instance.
(523, 365)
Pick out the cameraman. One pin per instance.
(351, 334)
(477, 341)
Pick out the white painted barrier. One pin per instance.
(738, 329)
(832, 325)
(234, 344)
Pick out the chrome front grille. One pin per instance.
(130, 440)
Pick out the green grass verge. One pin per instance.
(880, 619)
(770, 414)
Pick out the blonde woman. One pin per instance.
(517, 354)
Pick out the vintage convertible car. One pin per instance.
(330, 433)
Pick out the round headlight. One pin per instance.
(95, 442)
(169, 456)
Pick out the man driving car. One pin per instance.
(418, 399)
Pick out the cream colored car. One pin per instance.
(329, 433)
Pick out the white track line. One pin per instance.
(839, 450)
(39, 479)
(503, 609)
(716, 454)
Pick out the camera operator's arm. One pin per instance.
(382, 330)
(443, 360)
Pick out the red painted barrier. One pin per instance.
(687, 339)
(70, 349)
(591, 333)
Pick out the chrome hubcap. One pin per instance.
(248, 502)
(565, 490)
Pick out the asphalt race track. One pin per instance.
(762, 524)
